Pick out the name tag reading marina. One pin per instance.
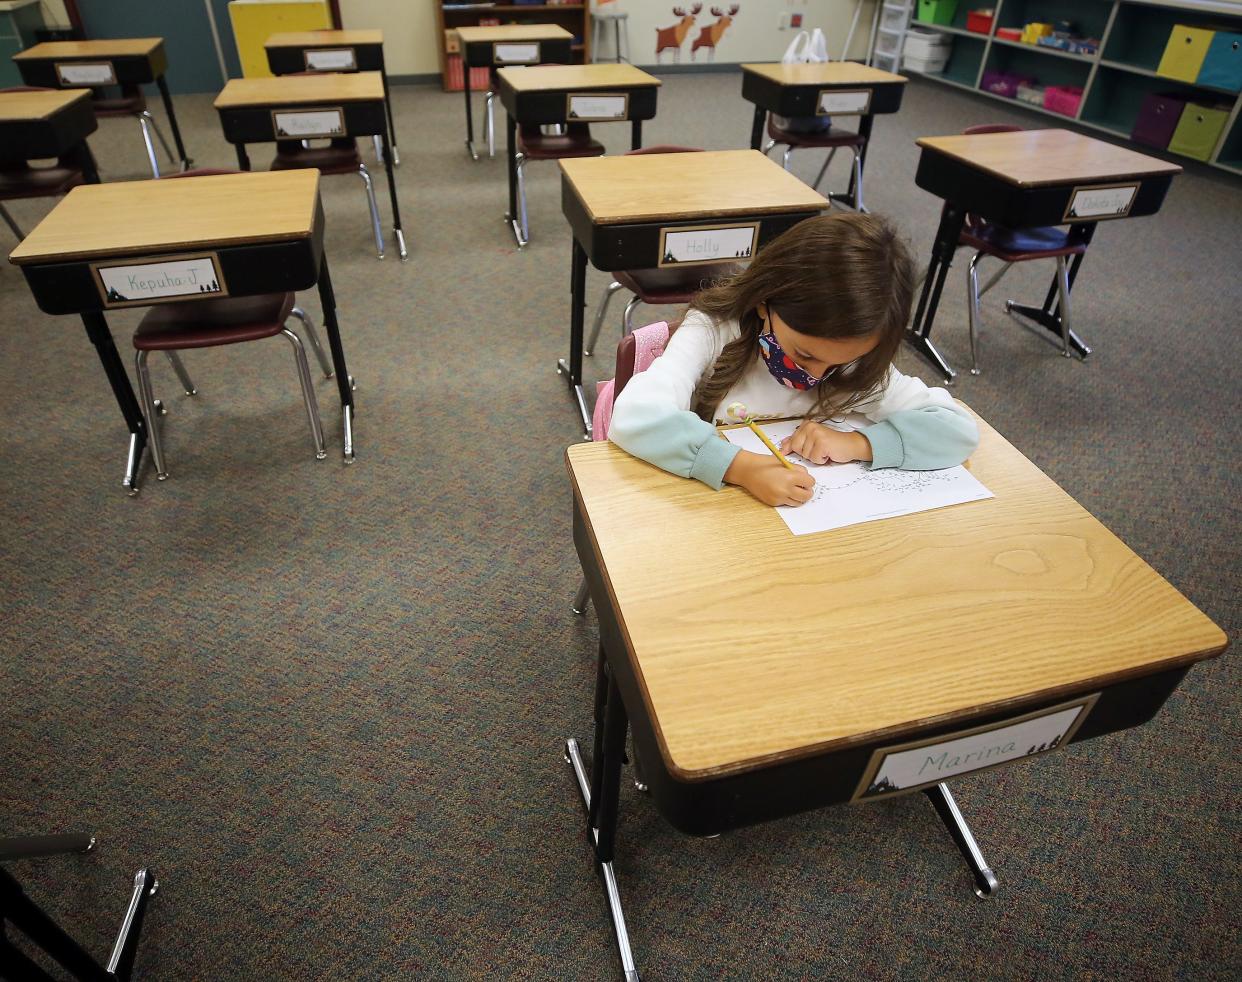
(315, 122)
(914, 766)
(180, 277)
(834, 102)
(1107, 202)
(711, 244)
(86, 73)
(515, 54)
(331, 60)
(597, 107)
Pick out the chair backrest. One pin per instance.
(662, 148)
(201, 172)
(635, 354)
(990, 128)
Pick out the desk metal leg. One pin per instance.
(636, 134)
(392, 128)
(511, 216)
(344, 381)
(572, 370)
(465, 85)
(853, 196)
(756, 127)
(392, 195)
(946, 808)
(919, 336)
(86, 160)
(122, 391)
(243, 160)
(172, 122)
(1049, 316)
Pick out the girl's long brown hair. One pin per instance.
(835, 276)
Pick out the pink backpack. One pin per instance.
(635, 354)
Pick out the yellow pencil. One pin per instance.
(770, 445)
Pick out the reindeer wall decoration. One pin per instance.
(712, 33)
(672, 37)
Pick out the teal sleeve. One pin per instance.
(674, 440)
(922, 439)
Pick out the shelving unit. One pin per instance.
(574, 17)
(1115, 80)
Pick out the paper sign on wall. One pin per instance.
(591, 107)
(707, 244)
(515, 54)
(331, 60)
(1111, 201)
(852, 102)
(308, 123)
(176, 277)
(913, 766)
(86, 73)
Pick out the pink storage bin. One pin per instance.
(1063, 99)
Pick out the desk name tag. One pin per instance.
(515, 54)
(914, 766)
(313, 122)
(698, 245)
(843, 102)
(594, 107)
(1101, 201)
(86, 73)
(330, 59)
(171, 278)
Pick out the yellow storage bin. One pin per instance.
(1198, 131)
(254, 21)
(1031, 33)
(1184, 54)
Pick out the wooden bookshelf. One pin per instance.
(574, 17)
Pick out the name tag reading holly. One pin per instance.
(1114, 201)
(597, 107)
(315, 122)
(515, 54)
(331, 60)
(914, 766)
(86, 73)
(833, 102)
(180, 277)
(711, 244)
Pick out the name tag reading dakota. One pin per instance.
(312, 122)
(852, 102)
(1111, 201)
(597, 107)
(918, 765)
(515, 54)
(175, 277)
(86, 73)
(707, 244)
(330, 59)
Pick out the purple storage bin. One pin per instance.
(1003, 83)
(1157, 119)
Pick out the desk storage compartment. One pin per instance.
(1063, 99)
(937, 11)
(1185, 53)
(1222, 66)
(1157, 119)
(1198, 130)
(980, 21)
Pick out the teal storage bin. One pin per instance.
(1222, 67)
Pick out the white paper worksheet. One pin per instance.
(850, 494)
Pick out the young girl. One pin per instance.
(809, 329)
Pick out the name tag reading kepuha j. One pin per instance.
(331, 60)
(693, 245)
(86, 73)
(169, 278)
(308, 123)
(920, 764)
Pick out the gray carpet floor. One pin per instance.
(326, 704)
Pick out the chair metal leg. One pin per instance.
(995, 278)
(379, 149)
(150, 413)
(8, 220)
(375, 218)
(824, 170)
(308, 393)
(312, 335)
(972, 310)
(628, 320)
(489, 105)
(605, 300)
(523, 218)
(144, 121)
(946, 807)
(785, 157)
(1063, 293)
(159, 133)
(183, 376)
(581, 599)
(858, 182)
(766, 150)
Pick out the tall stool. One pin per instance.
(602, 12)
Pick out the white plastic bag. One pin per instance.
(804, 48)
(796, 53)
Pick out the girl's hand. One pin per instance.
(769, 480)
(820, 444)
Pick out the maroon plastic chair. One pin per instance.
(831, 140)
(19, 180)
(649, 286)
(132, 102)
(1014, 246)
(534, 144)
(175, 327)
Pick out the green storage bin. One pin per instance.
(1198, 131)
(937, 11)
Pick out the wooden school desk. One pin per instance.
(836, 88)
(333, 51)
(509, 44)
(258, 110)
(92, 64)
(664, 210)
(261, 233)
(573, 93)
(34, 125)
(1023, 179)
(920, 629)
